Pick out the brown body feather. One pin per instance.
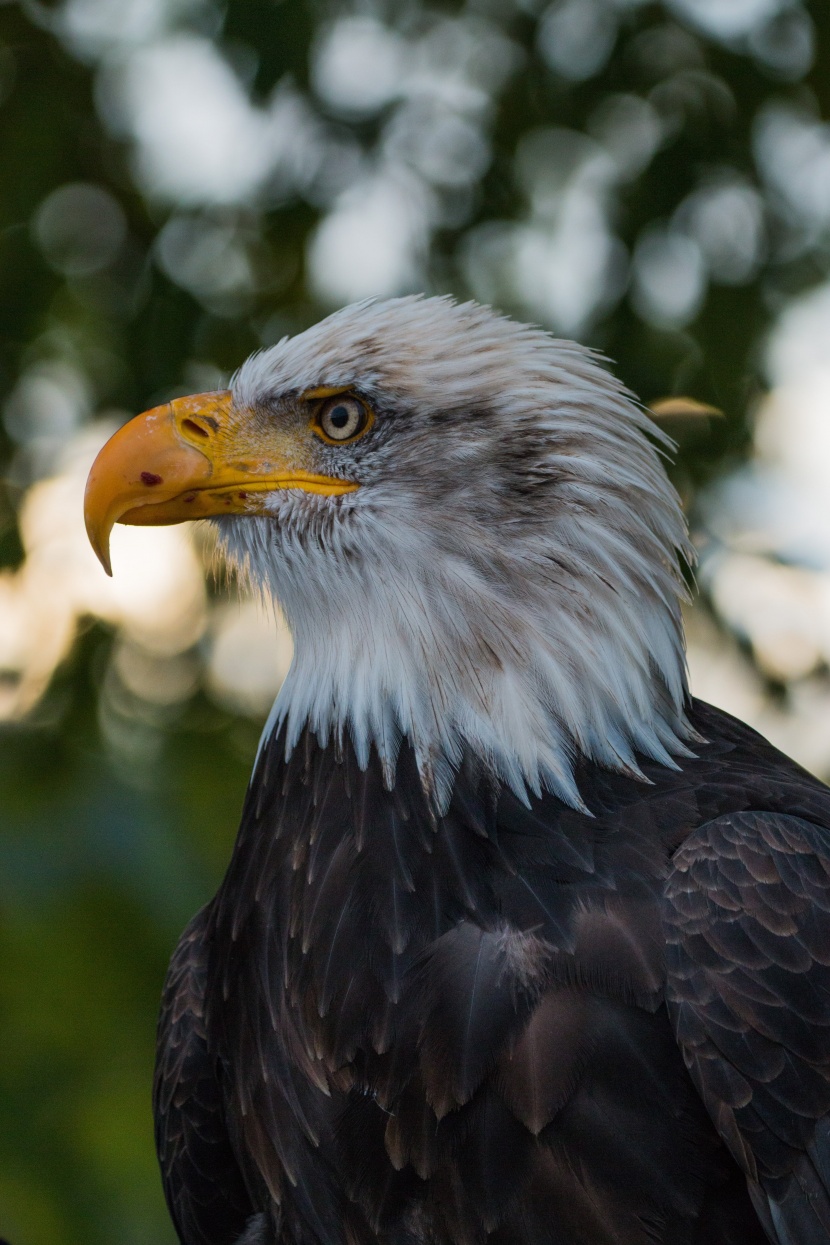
(511, 1025)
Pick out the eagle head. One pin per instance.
(467, 525)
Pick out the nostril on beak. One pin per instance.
(190, 425)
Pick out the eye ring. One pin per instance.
(341, 418)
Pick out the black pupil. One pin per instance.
(340, 416)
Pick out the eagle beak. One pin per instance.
(190, 459)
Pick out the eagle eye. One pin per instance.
(342, 418)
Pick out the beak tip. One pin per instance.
(101, 549)
(98, 525)
(102, 552)
(104, 558)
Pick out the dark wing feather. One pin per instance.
(204, 1188)
(470, 1004)
(540, 1073)
(748, 956)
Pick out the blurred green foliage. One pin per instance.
(102, 862)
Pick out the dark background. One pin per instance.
(183, 181)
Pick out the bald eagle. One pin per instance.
(518, 944)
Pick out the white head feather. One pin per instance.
(505, 581)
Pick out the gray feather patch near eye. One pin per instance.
(507, 578)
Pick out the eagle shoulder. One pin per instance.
(747, 918)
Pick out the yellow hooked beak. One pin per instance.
(193, 458)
